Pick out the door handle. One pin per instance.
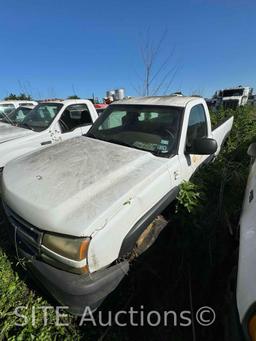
(46, 142)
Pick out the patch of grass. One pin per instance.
(15, 293)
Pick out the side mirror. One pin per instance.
(203, 146)
(252, 150)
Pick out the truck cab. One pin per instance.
(8, 106)
(46, 124)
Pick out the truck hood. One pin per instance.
(67, 188)
(9, 132)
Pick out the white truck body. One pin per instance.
(246, 279)
(10, 105)
(104, 191)
(17, 140)
(18, 113)
(232, 97)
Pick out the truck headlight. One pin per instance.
(252, 328)
(69, 252)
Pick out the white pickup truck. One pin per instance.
(7, 106)
(16, 115)
(81, 208)
(47, 123)
(246, 279)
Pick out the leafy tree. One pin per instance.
(22, 96)
(73, 97)
(11, 96)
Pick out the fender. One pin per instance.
(133, 235)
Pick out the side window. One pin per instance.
(197, 125)
(74, 116)
(20, 115)
(114, 120)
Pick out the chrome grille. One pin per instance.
(230, 104)
(28, 238)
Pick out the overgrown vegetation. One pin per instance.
(188, 267)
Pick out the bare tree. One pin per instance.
(159, 70)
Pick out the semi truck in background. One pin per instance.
(231, 98)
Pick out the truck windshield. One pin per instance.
(16, 116)
(155, 129)
(5, 109)
(41, 116)
(233, 92)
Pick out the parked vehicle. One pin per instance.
(15, 116)
(8, 106)
(100, 107)
(246, 279)
(47, 123)
(82, 209)
(232, 97)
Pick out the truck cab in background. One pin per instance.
(231, 98)
(8, 106)
(47, 123)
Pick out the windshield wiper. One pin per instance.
(108, 140)
(25, 125)
(115, 141)
(155, 152)
(121, 143)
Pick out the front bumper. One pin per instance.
(72, 290)
(78, 291)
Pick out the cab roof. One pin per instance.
(172, 100)
(66, 101)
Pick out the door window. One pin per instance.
(74, 116)
(197, 125)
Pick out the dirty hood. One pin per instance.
(68, 186)
(9, 132)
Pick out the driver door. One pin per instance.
(70, 122)
(197, 128)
